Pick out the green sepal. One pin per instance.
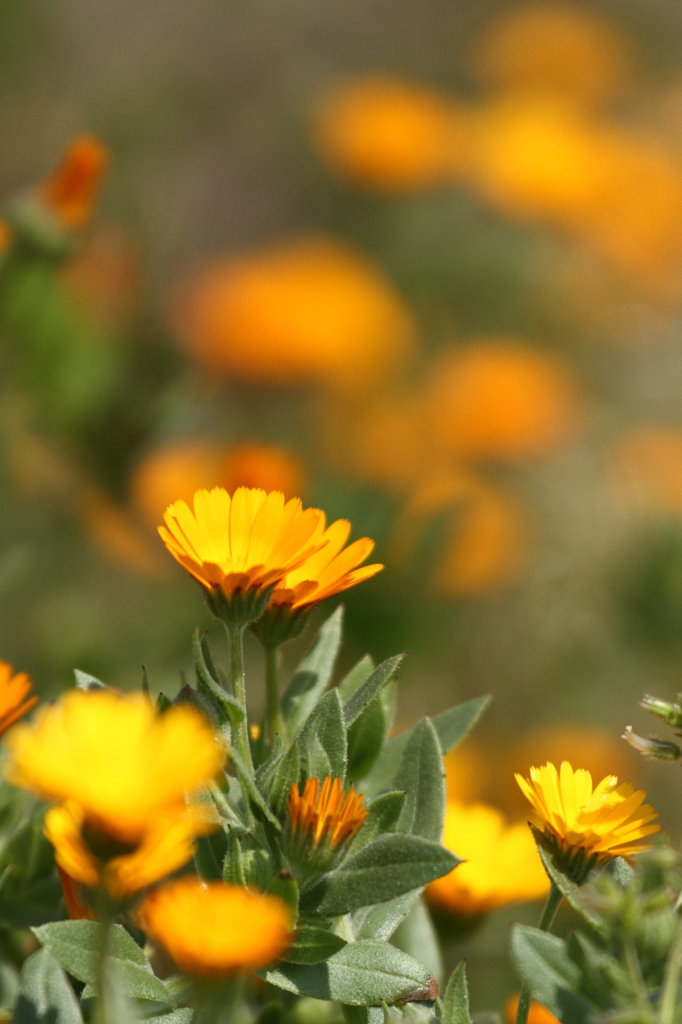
(455, 1005)
(565, 884)
(312, 676)
(163, 704)
(240, 608)
(280, 623)
(574, 863)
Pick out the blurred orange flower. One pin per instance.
(648, 467)
(554, 48)
(537, 1014)
(117, 535)
(6, 236)
(388, 134)
(264, 466)
(15, 696)
(499, 399)
(313, 310)
(468, 771)
(71, 190)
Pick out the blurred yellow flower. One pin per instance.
(15, 699)
(245, 542)
(468, 771)
(647, 467)
(537, 1014)
(588, 825)
(71, 190)
(331, 570)
(213, 929)
(502, 864)
(388, 134)
(325, 814)
(114, 757)
(313, 310)
(496, 398)
(553, 48)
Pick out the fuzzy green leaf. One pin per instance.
(233, 864)
(382, 675)
(45, 995)
(75, 944)
(363, 1014)
(543, 963)
(209, 855)
(313, 675)
(225, 707)
(250, 789)
(365, 739)
(326, 743)
(381, 920)
(456, 999)
(422, 775)
(360, 974)
(388, 866)
(277, 780)
(284, 886)
(383, 816)
(416, 936)
(356, 677)
(313, 945)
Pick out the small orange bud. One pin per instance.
(70, 191)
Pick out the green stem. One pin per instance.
(671, 980)
(102, 1013)
(554, 898)
(273, 712)
(637, 981)
(238, 682)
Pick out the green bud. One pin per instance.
(670, 713)
(662, 750)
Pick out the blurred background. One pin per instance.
(419, 262)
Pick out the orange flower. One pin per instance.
(498, 398)
(384, 133)
(327, 814)
(70, 191)
(537, 1014)
(14, 696)
(6, 236)
(313, 310)
(262, 465)
(648, 468)
(554, 48)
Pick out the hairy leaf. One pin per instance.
(422, 775)
(313, 675)
(45, 995)
(456, 999)
(380, 677)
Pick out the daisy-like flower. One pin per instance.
(241, 545)
(501, 863)
(70, 191)
(587, 825)
(121, 776)
(322, 821)
(15, 699)
(213, 929)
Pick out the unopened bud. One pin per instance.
(670, 713)
(652, 747)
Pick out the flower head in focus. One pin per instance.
(15, 699)
(71, 190)
(214, 929)
(586, 826)
(322, 821)
(501, 863)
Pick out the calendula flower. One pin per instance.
(322, 821)
(14, 696)
(247, 542)
(587, 825)
(501, 863)
(70, 191)
(121, 775)
(214, 929)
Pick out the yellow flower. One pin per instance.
(501, 866)
(14, 696)
(211, 930)
(114, 757)
(537, 1014)
(330, 570)
(327, 814)
(588, 826)
(70, 191)
(247, 542)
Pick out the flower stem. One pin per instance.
(235, 635)
(273, 710)
(102, 1014)
(554, 898)
(671, 980)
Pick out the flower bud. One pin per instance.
(670, 713)
(662, 750)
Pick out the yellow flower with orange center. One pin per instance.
(323, 818)
(71, 190)
(587, 825)
(14, 696)
(121, 776)
(501, 862)
(214, 929)
(249, 541)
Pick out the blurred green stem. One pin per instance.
(273, 711)
(235, 635)
(671, 980)
(554, 898)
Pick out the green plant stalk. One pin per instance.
(671, 980)
(235, 635)
(554, 898)
(273, 712)
(102, 1013)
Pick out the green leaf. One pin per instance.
(233, 865)
(573, 893)
(224, 705)
(381, 920)
(416, 936)
(75, 944)
(284, 886)
(257, 869)
(326, 744)
(250, 789)
(456, 999)
(209, 855)
(312, 945)
(356, 677)
(422, 775)
(544, 965)
(360, 974)
(363, 1014)
(45, 995)
(383, 816)
(277, 781)
(388, 866)
(84, 681)
(365, 739)
(380, 677)
(182, 1016)
(313, 675)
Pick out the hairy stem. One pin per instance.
(554, 898)
(671, 980)
(273, 711)
(238, 683)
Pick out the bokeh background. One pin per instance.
(417, 261)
